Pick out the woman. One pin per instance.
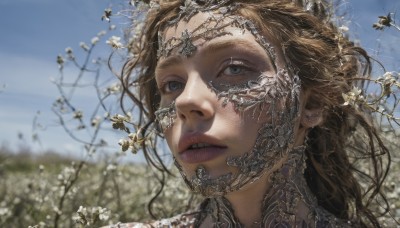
(248, 95)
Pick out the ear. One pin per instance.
(311, 117)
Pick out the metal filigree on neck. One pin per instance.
(287, 203)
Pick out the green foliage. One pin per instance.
(104, 193)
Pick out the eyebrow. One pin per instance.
(242, 45)
(213, 47)
(229, 44)
(169, 61)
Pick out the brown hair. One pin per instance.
(327, 64)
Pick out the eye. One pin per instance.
(233, 70)
(236, 68)
(171, 86)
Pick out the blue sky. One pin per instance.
(34, 32)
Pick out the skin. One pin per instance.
(230, 59)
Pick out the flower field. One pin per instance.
(53, 191)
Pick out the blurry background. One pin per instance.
(34, 32)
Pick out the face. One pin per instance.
(227, 106)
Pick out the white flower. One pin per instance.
(101, 33)
(111, 167)
(118, 118)
(41, 168)
(82, 210)
(78, 115)
(17, 200)
(104, 214)
(353, 97)
(343, 29)
(114, 42)
(96, 121)
(84, 46)
(124, 144)
(95, 40)
(115, 88)
(389, 78)
(57, 210)
(68, 50)
(5, 212)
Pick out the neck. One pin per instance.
(248, 202)
(270, 200)
(289, 201)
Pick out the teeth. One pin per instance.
(199, 145)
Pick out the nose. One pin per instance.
(196, 102)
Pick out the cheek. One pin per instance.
(171, 136)
(240, 127)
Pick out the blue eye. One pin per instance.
(233, 70)
(172, 86)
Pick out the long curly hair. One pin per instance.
(328, 64)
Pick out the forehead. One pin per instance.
(205, 28)
(199, 23)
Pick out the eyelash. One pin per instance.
(235, 63)
(163, 88)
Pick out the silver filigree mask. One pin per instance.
(276, 98)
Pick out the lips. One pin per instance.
(198, 148)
